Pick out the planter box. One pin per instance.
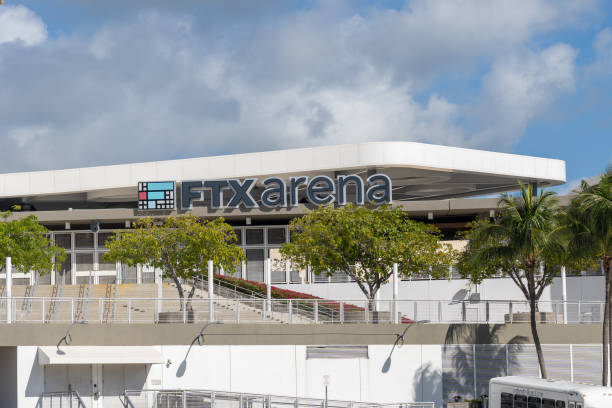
(174, 317)
(524, 317)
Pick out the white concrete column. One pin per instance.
(160, 289)
(564, 293)
(9, 286)
(395, 293)
(118, 272)
(211, 288)
(268, 284)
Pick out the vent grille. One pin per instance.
(336, 352)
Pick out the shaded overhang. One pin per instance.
(418, 172)
(99, 355)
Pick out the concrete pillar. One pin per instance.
(395, 293)
(160, 289)
(9, 286)
(564, 293)
(211, 288)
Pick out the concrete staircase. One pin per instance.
(134, 303)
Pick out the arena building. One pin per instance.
(124, 357)
(259, 193)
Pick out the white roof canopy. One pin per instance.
(418, 171)
(99, 355)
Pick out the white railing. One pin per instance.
(221, 399)
(173, 310)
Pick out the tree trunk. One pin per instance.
(532, 321)
(179, 287)
(372, 306)
(190, 296)
(606, 332)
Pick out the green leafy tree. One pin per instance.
(525, 242)
(364, 243)
(589, 221)
(28, 244)
(180, 246)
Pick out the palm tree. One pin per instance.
(589, 220)
(524, 242)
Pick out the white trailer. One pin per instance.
(529, 392)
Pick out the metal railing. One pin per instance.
(229, 290)
(63, 399)
(222, 399)
(294, 311)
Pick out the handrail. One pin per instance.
(61, 394)
(126, 401)
(81, 403)
(300, 310)
(322, 309)
(267, 399)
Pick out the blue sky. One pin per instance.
(88, 83)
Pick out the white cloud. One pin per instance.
(17, 23)
(603, 52)
(163, 85)
(518, 88)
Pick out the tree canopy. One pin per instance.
(28, 244)
(180, 246)
(525, 242)
(364, 243)
(589, 223)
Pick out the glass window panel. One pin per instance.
(322, 277)
(238, 236)
(277, 266)
(105, 266)
(255, 265)
(339, 276)
(65, 272)
(506, 400)
(84, 262)
(43, 279)
(103, 237)
(520, 401)
(534, 402)
(84, 240)
(129, 274)
(255, 236)
(64, 240)
(276, 235)
(295, 277)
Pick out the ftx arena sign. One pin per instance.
(277, 192)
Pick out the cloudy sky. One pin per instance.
(88, 83)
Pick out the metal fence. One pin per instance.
(217, 399)
(296, 311)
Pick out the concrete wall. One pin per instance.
(583, 288)
(414, 374)
(8, 383)
(284, 370)
(30, 377)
